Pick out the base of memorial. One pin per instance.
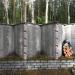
(67, 58)
(11, 58)
(38, 57)
(45, 57)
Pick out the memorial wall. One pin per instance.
(73, 37)
(52, 39)
(28, 40)
(6, 40)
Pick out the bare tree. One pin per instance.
(25, 10)
(68, 3)
(38, 8)
(24, 4)
(32, 13)
(6, 6)
(46, 12)
(21, 2)
(31, 3)
(68, 12)
(14, 11)
(53, 9)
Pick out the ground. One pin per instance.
(44, 57)
(11, 58)
(39, 57)
(38, 72)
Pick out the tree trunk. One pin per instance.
(68, 12)
(38, 10)
(32, 13)
(25, 11)
(21, 10)
(14, 11)
(46, 13)
(7, 18)
(6, 5)
(53, 9)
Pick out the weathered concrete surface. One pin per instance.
(28, 40)
(6, 40)
(70, 35)
(18, 39)
(52, 39)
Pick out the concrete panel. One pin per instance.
(72, 36)
(47, 43)
(28, 40)
(34, 39)
(19, 39)
(6, 40)
(52, 39)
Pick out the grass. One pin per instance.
(11, 57)
(41, 57)
(69, 58)
(45, 57)
(38, 57)
(38, 72)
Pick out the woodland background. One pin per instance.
(37, 11)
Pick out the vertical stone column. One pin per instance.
(25, 53)
(58, 41)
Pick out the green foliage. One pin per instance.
(62, 13)
(11, 58)
(72, 12)
(10, 10)
(1, 12)
(18, 20)
(40, 19)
